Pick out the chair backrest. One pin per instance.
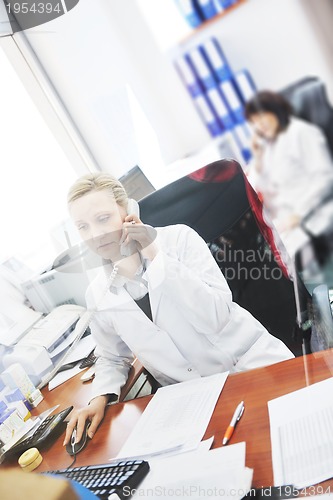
(309, 100)
(219, 203)
(139, 383)
(130, 390)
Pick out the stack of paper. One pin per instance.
(301, 434)
(169, 435)
(219, 473)
(176, 418)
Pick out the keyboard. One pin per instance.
(118, 479)
(88, 361)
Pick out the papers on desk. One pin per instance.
(301, 435)
(81, 350)
(219, 473)
(62, 377)
(28, 429)
(175, 419)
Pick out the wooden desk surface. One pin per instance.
(255, 387)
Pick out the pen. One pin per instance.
(231, 427)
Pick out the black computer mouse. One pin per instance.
(72, 447)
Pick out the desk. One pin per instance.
(255, 387)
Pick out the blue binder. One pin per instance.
(242, 137)
(233, 100)
(190, 12)
(188, 76)
(201, 68)
(221, 109)
(207, 8)
(227, 3)
(245, 84)
(208, 115)
(216, 60)
(218, 6)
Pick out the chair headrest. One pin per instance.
(209, 200)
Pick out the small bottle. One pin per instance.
(16, 377)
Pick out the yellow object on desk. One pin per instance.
(30, 460)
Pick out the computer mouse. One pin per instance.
(72, 447)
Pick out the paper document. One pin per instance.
(19, 434)
(87, 341)
(301, 426)
(80, 351)
(176, 418)
(218, 473)
(62, 377)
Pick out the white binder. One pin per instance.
(208, 116)
(189, 12)
(220, 108)
(245, 84)
(201, 68)
(233, 100)
(207, 8)
(242, 137)
(188, 76)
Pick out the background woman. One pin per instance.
(292, 169)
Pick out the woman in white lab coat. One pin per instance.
(291, 170)
(160, 297)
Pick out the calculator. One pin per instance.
(44, 435)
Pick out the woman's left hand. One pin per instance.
(144, 235)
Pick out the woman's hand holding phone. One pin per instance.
(142, 235)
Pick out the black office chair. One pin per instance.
(309, 100)
(219, 203)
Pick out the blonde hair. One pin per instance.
(98, 182)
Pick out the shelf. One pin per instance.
(210, 22)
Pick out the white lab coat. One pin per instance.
(296, 175)
(197, 330)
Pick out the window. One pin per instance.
(35, 175)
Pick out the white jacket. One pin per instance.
(197, 330)
(296, 175)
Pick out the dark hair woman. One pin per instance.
(291, 167)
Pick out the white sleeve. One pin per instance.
(318, 170)
(114, 358)
(193, 281)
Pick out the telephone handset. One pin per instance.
(132, 209)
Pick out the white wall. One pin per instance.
(320, 15)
